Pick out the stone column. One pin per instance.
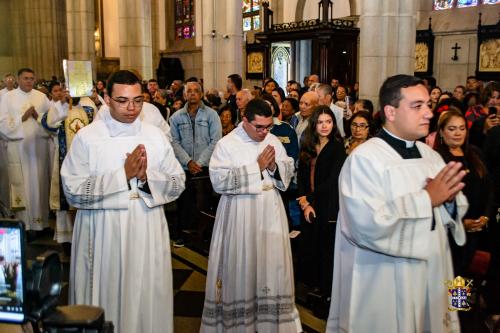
(135, 37)
(37, 27)
(80, 21)
(387, 42)
(222, 41)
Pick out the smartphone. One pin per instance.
(492, 110)
(311, 217)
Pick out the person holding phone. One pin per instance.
(320, 161)
(488, 111)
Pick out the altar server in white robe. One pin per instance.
(250, 275)
(119, 173)
(21, 111)
(398, 204)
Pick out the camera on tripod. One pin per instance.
(32, 294)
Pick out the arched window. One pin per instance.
(184, 19)
(251, 15)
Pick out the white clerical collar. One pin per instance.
(409, 144)
(24, 92)
(118, 129)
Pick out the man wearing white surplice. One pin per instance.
(399, 205)
(118, 174)
(250, 275)
(21, 111)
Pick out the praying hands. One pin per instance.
(266, 159)
(136, 164)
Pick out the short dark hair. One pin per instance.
(25, 70)
(152, 80)
(236, 79)
(293, 102)
(52, 84)
(257, 107)
(390, 91)
(121, 77)
(192, 79)
(471, 77)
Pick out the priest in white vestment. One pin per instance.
(21, 111)
(398, 205)
(250, 284)
(119, 173)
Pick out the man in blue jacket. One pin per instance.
(195, 129)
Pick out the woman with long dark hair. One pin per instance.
(451, 144)
(320, 160)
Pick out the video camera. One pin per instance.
(32, 294)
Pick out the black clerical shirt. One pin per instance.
(399, 145)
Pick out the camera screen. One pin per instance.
(11, 274)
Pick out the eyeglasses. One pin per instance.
(361, 126)
(125, 102)
(260, 128)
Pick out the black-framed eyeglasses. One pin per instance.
(261, 128)
(361, 126)
(125, 102)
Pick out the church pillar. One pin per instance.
(81, 43)
(222, 41)
(36, 37)
(135, 37)
(387, 42)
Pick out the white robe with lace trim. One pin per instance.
(250, 275)
(121, 249)
(390, 267)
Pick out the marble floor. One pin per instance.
(189, 271)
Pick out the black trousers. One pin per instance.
(195, 198)
(316, 255)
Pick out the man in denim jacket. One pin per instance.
(195, 129)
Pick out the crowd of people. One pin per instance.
(384, 202)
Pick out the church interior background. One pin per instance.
(209, 37)
(212, 39)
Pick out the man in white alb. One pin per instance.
(21, 111)
(399, 204)
(119, 173)
(250, 275)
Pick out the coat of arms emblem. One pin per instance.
(459, 292)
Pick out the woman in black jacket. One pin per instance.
(320, 161)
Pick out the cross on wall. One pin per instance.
(456, 48)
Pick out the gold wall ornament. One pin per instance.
(489, 55)
(255, 62)
(421, 57)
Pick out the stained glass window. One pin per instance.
(251, 15)
(184, 19)
(443, 4)
(466, 3)
(447, 4)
